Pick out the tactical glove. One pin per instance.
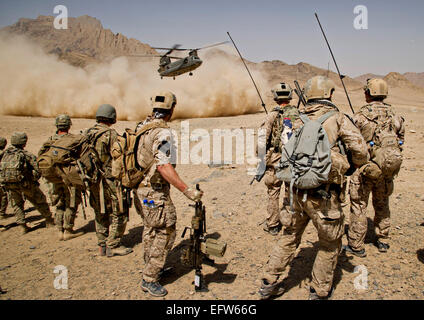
(193, 194)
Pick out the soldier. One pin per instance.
(19, 174)
(153, 192)
(273, 126)
(370, 119)
(321, 205)
(62, 195)
(110, 223)
(3, 194)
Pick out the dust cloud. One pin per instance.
(33, 83)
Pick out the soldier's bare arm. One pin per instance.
(168, 172)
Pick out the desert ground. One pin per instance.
(234, 211)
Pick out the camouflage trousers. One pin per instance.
(3, 201)
(274, 188)
(110, 225)
(159, 229)
(327, 217)
(360, 189)
(65, 210)
(18, 193)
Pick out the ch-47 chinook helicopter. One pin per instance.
(167, 68)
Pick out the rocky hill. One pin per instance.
(85, 41)
(416, 78)
(398, 80)
(280, 71)
(363, 78)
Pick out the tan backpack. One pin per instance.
(126, 166)
(386, 155)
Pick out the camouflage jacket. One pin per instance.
(338, 127)
(159, 145)
(103, 145)
(365, 120)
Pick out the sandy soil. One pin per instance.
(234, 210)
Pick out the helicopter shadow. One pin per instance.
(174, 259)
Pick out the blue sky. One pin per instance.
(263, 30)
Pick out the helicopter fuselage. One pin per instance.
(180, 66)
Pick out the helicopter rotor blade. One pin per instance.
(151, 56)
(212, 45)
(141, 55)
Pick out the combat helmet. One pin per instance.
(3, 143)
(377, 88)
(107, 113)
(63, 121)
(282, 91)
(18, 139)
(163, 100)
(318, 87)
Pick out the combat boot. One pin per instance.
(70, 234)
(154, 288)
(102, 250)
(358, 253)
(2, 216)
(273, 230)
(382, 247)
(60, 235)
(118, 251)
(25, 228)
(314, 296)
(268, 290)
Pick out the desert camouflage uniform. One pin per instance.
(60, 196)
(110, 225)
(272, 158)
(326, 215)
(28, 189)
(361, 187)
(159, 222)
(3, 196)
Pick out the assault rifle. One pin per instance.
(258, 176)
(199, 246)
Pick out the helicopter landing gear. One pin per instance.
(190, 74)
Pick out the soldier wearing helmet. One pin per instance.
(110, 221)
(19, 174)
(153, 193)
(321, 205)
(278, 120)
(370, 119)
(3, 193)
(65, 198)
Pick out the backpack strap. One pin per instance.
(142, 131)
(152, 125)
(326, 116)
(304, 117)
